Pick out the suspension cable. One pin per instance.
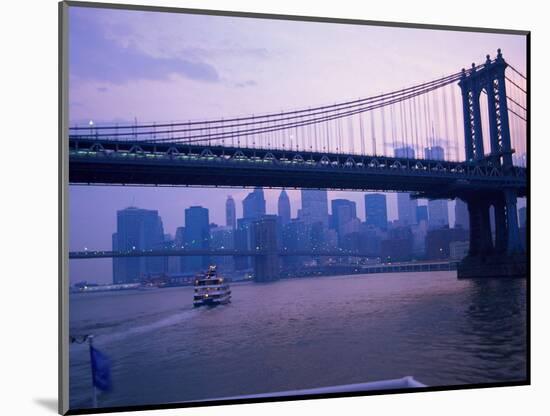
(516, 71)
(277, 116)
(522, 90)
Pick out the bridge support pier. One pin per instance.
(501, 232)
(266, 265)
(506, 258)
(514, 244)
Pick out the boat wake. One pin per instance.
(175, 319)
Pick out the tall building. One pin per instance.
(419, 232)
(343, 211)
(434, 153)
(404, 152)
(179, 239)
(295, 237)
(439, 208)
(230, 213)
(137, 229)
(398, 246)
(349, 212)
(317, 236)
(376, 211)
(197, 236)
(438, 213)
(462, 219)
(422, 213)
(283, 208)
(314, 206)
(254, 204)
(438, 241)
(406, 207)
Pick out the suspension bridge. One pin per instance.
(432, 139)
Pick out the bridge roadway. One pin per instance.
(88, 254)
(147, 163)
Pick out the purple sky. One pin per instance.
(151, 66)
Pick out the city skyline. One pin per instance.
(171, 217)
(216, 213)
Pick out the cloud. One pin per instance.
(94, 56)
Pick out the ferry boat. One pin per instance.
(211, 289)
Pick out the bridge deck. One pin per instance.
(142, 163)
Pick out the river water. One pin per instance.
(300, 333)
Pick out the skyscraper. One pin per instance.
(438, 213)
(137, 229)
(376, 212)
(438, 208)
(422, 213)
(314, 206)
(434, 153)
(343, 211)
(254, 204)
(197, 236)
(462, 219)
(283, 208)
(404, 152)
(406, 207)
(295, 237)
(230, 213)
(349, 212)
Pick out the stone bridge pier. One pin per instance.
(266, 265)
(502, 256)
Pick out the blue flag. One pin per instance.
(101, 369)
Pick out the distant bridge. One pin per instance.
(89, 254)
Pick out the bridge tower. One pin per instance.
(488, 79)
(266, 265)
(485, 253)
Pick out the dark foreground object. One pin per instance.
(512, 265)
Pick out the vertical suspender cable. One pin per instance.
(445, 115)
(383, 116)
(393, 126)
(372, 133)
